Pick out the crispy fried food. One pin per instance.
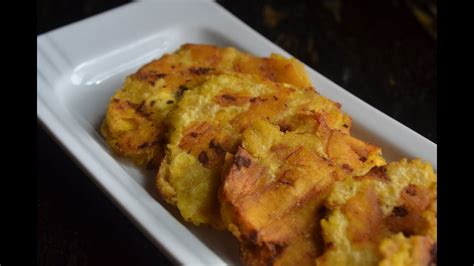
(134, 124)
(387, 217)
(208, 123)
(277, 181)
(246, 144)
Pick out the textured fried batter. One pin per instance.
(134, 124)
(387, 217)
(208, 123)
(252, 148)
(272, 192)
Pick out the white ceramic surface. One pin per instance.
(81, 65)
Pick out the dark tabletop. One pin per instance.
(382, 51)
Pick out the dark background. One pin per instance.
(384, 52)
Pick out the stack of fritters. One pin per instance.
(209, 122)
(246, 144)
(135, 126)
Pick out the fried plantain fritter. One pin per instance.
(134, 124)
(208, 123)
(246, 144)
(387, 217)
(277, 181)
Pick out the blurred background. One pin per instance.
(384, 52)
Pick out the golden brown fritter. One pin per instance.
(134, 124)
(277, 181)
(387, 217)
(246, 144)
(208, 123)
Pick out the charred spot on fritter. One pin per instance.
(267, 71)
(228, 97)
(195, 138)
(216, 147)
(410, 190)
(285, 128)
(347, 167)
(381, 173)
(200, 70)
(169, 102)
(241, 161)
(155, 75)
(181, 90)
(408, 216)
(328, 161)
(150, 76)
(377, 172)
(121, 105)
(140, 109)
(399, 211)
(203, 158)
(161, 75)
(416, 198)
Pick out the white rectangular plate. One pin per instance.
(80, 66)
